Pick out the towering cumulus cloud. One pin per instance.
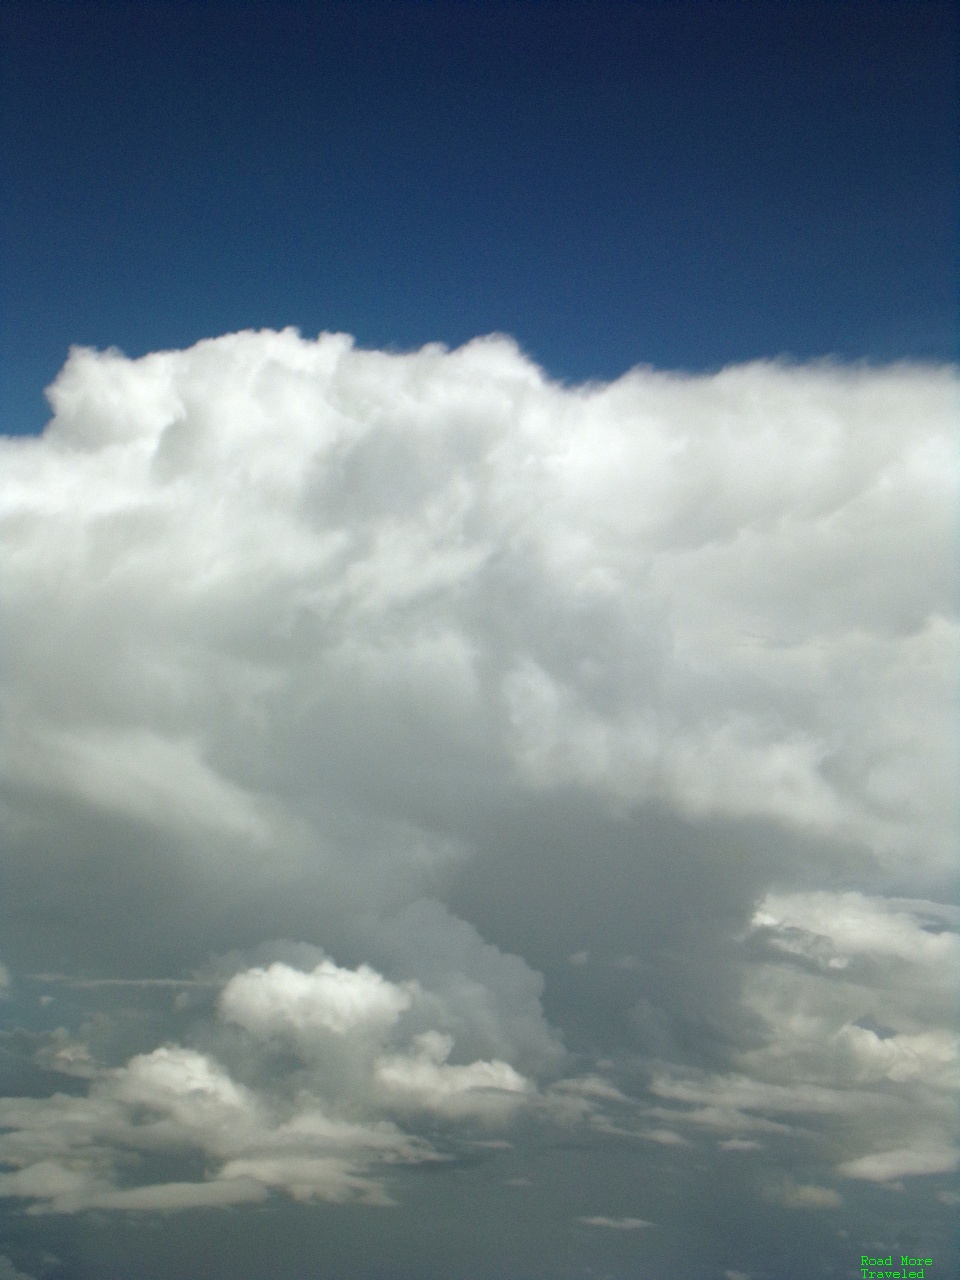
(448, 673)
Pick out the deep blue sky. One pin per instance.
(682, 185)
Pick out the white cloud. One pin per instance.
(330, 999)
(885, 1166)
(730, 593)
(424, 1079)
(295, 635)
(855, 924)
(873, 1044)
(314, 1134)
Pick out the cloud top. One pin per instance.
(293, 573)
(330, 999)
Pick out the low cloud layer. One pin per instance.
(313, 1127)
(591, 747)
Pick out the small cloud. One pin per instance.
(9, 1272)
(793, 1196)
(948, 1197)
(616, 1224)
(64, 1054)
(736, 1275)
(885, 1166)
(517, 1182)
(627, 962)
(666, 1138)
(4, 981)
(740, 1144)
(579, 957)
(45, 1000)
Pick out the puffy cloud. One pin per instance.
(303, 1132)
(825, 1051)
(425, 1079)
(471, 677)
(730, 593)
(328, 999)
(855, 924)
(489, 1000)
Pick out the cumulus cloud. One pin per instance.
(424, 1079)
(854, 924)
(466, 678)
(732, 593)
(826, 1051)
(305, 1131)
(329, 999)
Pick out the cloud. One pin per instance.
(729, 593)
(806, 1196)
(304, 1130)
(885, 1166)
(424, 1079)
(825, 1052)
(588, 750)
(616, 1224)
(329, 999)
(856, 925)
(9, 1272)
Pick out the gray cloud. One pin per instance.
(9, 1272)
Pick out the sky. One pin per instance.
(682, 185)
(479, 641)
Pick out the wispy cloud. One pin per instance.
(616, 1224)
